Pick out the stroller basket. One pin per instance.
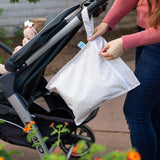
(12, 128)
(26, 83)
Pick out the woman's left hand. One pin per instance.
(113, 49)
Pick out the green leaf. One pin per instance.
(97, 148)
(2, 33)
(54, 145)
(57, 143)
(2, 121)
(15, 152)
(59, 126)
(2, 145)
(29, 137)
(35, 144)
(1, 11)
(44, 139)
(8, 42)
(87, 156)
(34, 131)
(5, 154)
(53, 133)
(1, 62)
(57, 157)
(65, 130)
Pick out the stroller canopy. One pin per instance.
(33, 58)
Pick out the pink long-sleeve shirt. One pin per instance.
(119, 9)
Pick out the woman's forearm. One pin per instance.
(148, 36)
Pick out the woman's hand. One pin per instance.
(113, 49)
(99, 31)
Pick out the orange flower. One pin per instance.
(133, 155)
(52, 124)
(98, 159)
(1, 158)
(66, 123)
(28, 127)
(32, 122)
(57, 150)
(74, 151)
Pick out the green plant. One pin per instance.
(6, 155)
(2, 33)
(117, 155)
(95, 150)
(1, 60)
(60, 128)
(7, 41)
(18, 32)
(1, 11)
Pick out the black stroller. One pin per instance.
(25, 83)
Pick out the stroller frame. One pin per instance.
(9, 91)
(21, 108)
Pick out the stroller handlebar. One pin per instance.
(94, 6)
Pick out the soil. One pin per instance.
(71, 49)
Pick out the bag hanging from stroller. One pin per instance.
(88, 79)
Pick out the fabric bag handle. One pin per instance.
(88, 23)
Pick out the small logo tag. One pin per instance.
(81, 45)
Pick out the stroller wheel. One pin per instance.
(82, 132)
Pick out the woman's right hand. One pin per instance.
(99, 31)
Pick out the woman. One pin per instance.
(142, 105)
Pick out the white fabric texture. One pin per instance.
(88, 79)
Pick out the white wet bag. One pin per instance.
(88, 79)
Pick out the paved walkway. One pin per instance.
(109, 127)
